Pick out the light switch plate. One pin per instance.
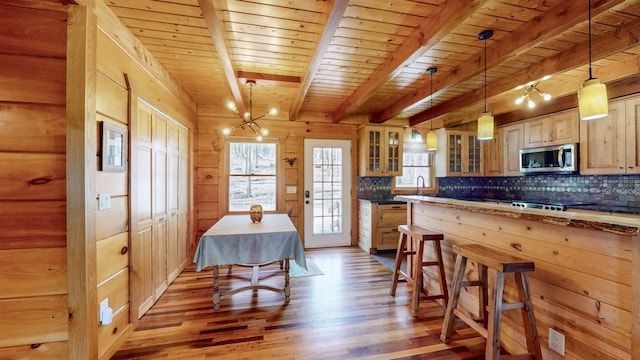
(104, 201)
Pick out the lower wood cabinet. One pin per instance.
(378, 225)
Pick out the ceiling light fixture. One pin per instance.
(532, 87)
(485, 121)
(592, 98)
(432, 137)
(248, 119)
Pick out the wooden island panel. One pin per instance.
(582, 285)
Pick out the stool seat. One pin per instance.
(414, 276)
(491, 293)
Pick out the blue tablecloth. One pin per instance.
(234, 239)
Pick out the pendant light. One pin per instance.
(485, 121)
(432, 137)
(592, 98)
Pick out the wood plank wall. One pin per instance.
(33, 262)
(123, 79)
(34, 301)
(210, 174)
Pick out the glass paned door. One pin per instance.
(327, 196)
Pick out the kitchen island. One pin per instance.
(586, 284)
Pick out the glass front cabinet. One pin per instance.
(458, 154)
(380, 151)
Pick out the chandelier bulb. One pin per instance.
(546, 96)
(520, 99)
(264, 132)
(226, 131)
(273, 112)
(259, 138)
(531, 104)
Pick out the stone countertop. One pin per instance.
(623, 224)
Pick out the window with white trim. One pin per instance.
(252, 174)
(416, 161)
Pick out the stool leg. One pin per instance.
(417, 278)
(443, 278)
(456, 285)
(492, 351)
(398, 264)
(483, 295)
(533, 341)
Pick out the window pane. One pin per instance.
(252, 158)
(245, 191)
(416, 164)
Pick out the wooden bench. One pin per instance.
(414, 276)
(491, 294)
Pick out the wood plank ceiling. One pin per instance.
(367, 59)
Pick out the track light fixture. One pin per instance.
(247, 119)
(432, 137)
(485, 121)
(592, 98)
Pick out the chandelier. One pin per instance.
(247, 119)
(529, 88)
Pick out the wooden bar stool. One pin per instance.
(490, 327)
(414, 275)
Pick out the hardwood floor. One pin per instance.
(346, 313)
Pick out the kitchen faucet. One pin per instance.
(418, 191)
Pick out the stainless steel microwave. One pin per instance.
(550, 159)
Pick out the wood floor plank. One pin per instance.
(346, 313)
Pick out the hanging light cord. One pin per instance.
(431, 99)
(590, 73)
(485, 75)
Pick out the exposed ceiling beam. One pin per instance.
(542, 28)
(450, 16)
(621, 39)
(215, 29)
(337, 12)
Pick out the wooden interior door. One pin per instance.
(159, 191)
(142, 291)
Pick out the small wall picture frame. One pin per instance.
(113, 147)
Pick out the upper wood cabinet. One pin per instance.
(611, 145)
(512, 141)
(492, 154)
(458, 153)
(556, 129)
(380, 151)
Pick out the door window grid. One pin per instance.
(327, 190)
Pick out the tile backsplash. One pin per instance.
(374, 187)
(603, 189)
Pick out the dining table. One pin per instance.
(236, 240)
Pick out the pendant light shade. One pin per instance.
(485, 126)
(593, 102)
(432, 137)
(485, 121)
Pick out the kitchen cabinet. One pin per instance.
(380, 151)
(611, 145)
(557, 129)
(378, 225)
(512, 142)
(492, 154)
(458, 153)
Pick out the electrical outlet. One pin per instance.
(556, 341)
